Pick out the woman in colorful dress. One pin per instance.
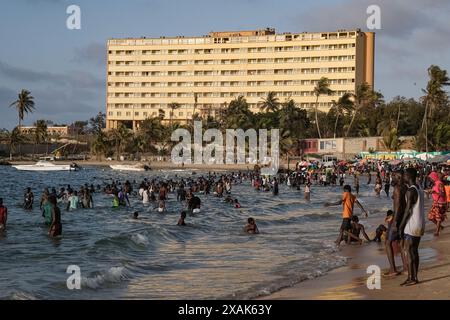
(437, 213)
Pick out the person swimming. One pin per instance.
(182, 218)
(251, 226)
(136, 215)
(161, 206)
(237, 205)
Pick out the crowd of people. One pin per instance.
(401, 230)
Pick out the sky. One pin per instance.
(66, 69)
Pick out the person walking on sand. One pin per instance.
(348, 201)
(412, 226)
(437, 213)
(393, 235)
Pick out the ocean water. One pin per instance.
(153, 258)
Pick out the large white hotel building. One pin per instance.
(203, 74)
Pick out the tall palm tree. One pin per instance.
(173, 106)
(270, 103)
(120, 138)
(322, 87)
(343, 105)
(24, 104)
(364, 96)
(435, 95)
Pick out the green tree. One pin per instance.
(97, 123)
(344, 105)
(435, 98)
(270, 103)
(363, 97)
(120, 137)
(24, 104)
(322, 87)
(40, 134)
(14, 139)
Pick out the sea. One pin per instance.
(152, 258)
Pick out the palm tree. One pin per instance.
(24, 104)
(161, 114)
(40, 134)
(270, 103)
(173, 106)
(100, 145)
(363, 96)
(343, 105)
(152, 131)
(435, 95)
(120, 137)
(322, 87)
(15, 138)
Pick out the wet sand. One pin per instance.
(350, 282)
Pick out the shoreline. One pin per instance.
(349, 282)
(156, 165)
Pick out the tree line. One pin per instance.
(363, 113)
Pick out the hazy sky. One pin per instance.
(65, 69)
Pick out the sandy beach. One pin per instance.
(349, 282)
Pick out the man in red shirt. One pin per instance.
(3, 215)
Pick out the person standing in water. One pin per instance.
(55, 229)
(3, 216)
(393, 235)
(275, 187)
(308, 191)
(412, 226)
(348, 201)
(28, 199)
(182, 218)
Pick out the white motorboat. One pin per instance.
(46, 166)
(129, 167)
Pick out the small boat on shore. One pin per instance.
(46, 166)
(130, 167)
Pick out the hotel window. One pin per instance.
(136, 113)
(119, 113)
(128, 113)
(180, 114)
(144, 114)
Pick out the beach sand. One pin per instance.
(349, 282)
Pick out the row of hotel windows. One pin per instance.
(215, 94)
(253, 106)
(228, 83)
(234, 50)
(233, 61)
(228, 72)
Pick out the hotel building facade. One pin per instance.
(203, 74)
